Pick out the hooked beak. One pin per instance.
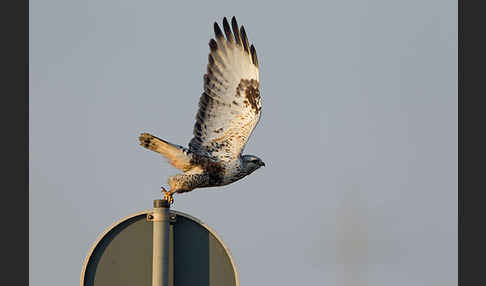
(262, 164)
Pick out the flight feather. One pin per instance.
(230, 106)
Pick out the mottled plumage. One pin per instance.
(229, 110)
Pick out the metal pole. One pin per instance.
(160, 264)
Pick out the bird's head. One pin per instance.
(251, 163)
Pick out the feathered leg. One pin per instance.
(183, 183)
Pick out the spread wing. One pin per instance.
(230, 107)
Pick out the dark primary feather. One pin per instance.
(213, 45)
(254, 57)
(244, 39)
(210, 60)
(227, 31)
(217, 31)
(236, 31)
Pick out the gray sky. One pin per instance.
(359, 134)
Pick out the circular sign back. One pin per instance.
(122, 255)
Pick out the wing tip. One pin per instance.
(236, 31)
(244, 39)
(227, 30)
(234, 35)
(254, 57)
(218, 32)
(213, 45)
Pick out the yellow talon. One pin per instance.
(168, 196)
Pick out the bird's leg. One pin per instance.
(168, 195)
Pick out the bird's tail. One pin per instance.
(156, 144)
(177, 155)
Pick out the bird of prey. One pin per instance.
(229, 110)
